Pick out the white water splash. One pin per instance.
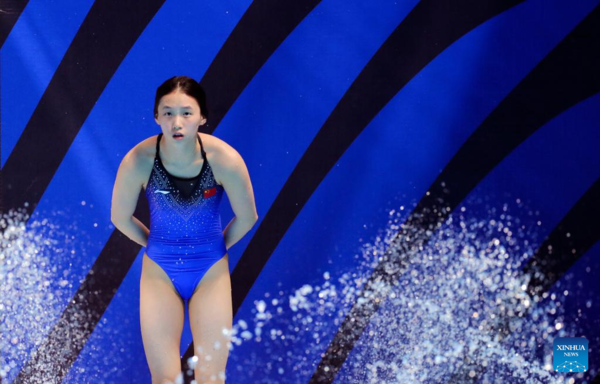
(461, 312)
(37, 261)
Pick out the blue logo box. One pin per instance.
(570, 354)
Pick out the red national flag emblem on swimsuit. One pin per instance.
(210, 191)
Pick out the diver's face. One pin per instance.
(179, 116)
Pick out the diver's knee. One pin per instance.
(164, 374)
(206, 377)
(165, 378)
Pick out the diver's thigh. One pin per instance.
(210, 311)
(161, 321)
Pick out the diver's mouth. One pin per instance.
(177, 135)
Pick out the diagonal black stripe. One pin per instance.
(98, 48)
(576, 233)
(10, 10)
(541, 96)
(264, 26)
(569, 240)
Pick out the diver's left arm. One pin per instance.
(232, 173)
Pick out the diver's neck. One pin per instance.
(180, 152)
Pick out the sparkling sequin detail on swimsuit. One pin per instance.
(186, 236)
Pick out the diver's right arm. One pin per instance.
(128, 185)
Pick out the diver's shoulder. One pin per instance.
(142, 154)
(218, 150)
(223, 158)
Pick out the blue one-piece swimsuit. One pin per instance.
(186, 237)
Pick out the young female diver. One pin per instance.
(184, 173)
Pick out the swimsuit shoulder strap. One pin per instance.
(202, 148)
(158, 146)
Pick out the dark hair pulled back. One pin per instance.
(186, 85)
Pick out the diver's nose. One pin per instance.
(176, 123)
(176, 127)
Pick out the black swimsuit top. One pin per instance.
(184, 184)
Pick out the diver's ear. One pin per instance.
(203, 121)
(156, 119)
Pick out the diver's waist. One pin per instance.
(167, 236)
(193, 247)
